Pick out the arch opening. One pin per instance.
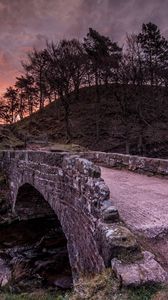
(39, 242)
(30, 203)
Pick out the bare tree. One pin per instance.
(12, 104)
(36, 68)
(76, 62)
(103, 55)
(27, 92)
(60, 78)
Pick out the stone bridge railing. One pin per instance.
(143, 165)
(75, 191)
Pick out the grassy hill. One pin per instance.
(116, 127)
(8, 139)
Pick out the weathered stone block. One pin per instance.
(146, 271)
(110, 215)
(116, 239)
(163, 167)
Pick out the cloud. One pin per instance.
(24, 24)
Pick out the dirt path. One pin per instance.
(142, 201)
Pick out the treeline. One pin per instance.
(62, 68)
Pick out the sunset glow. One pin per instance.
(25, 24)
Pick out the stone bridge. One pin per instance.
(74, 190)
(73, 187)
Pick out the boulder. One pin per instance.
(116, 240)
(145, 271)
(119, 236)
(110, 215)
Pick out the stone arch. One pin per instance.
(83, 259)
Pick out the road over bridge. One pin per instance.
(142, 201)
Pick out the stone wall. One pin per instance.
(144, 165)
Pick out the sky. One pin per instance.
(25, 24)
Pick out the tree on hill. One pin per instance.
(75, 57)
(20, 89)
(131, 73)
(35, 67)
(4, 111)
(27, 94)
(154, 50)
(59, 77)
(12, 105)
(103, 56)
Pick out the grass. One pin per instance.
(8, 140)
(38, 295)
(101, 287)
(143, 293)
(105, 286)
(66, 147)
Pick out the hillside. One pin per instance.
(8, 139)
(117, 128)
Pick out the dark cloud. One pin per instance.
(28, 23)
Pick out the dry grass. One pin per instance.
(101, 286)
(8, 139)
(38, 295)
(105, 286)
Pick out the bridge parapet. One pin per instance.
(144, 165)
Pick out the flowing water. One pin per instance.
(33, 247)
(36, 253)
